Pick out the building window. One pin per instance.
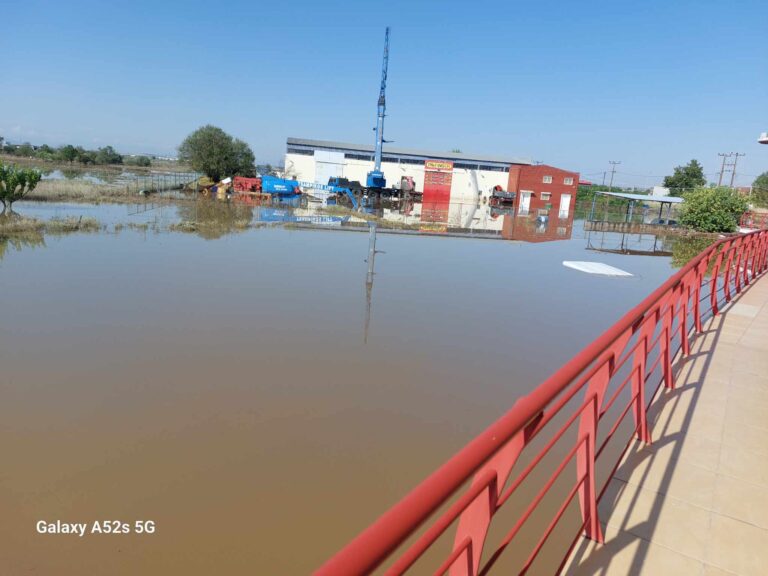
(568, 181)
(546, 195)
(547, 179)
(542, 212)
(302, 151)
(358, 156)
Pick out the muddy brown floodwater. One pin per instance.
(223, 389)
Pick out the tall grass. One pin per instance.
(78, 190)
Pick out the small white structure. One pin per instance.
(595, 268)
(660, 191)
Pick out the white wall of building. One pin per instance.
(464, 188)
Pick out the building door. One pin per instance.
(565, 205)
(525, 203)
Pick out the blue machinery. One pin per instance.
(376, 176)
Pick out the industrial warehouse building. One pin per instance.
(472, 175)
(442, 177)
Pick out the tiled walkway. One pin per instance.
(696, 500)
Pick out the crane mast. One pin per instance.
(376, 176)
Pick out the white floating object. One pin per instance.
(595, 268)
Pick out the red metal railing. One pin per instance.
(754, 220)
(576, 401)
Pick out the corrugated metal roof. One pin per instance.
(397, 151)
(643, 197)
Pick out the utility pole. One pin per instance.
(613, 164)
(722, 167)
(733, 172)
(604, 173)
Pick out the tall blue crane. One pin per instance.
(376, 176)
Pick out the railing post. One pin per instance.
(697, 293)
(685, 296)
(740, 253)
(585, 456)
(727, 273)
(749, 256)
(713, 284)
(763, 262)
(666, 322)
(639, 363)
(475, 521)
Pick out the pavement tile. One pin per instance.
(737, 546)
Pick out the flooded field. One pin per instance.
(250, 394)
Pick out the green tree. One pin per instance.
(712, 209)
(686, 177)
(67, 153)
(15, 183)
(26, 150)
(143, 161)
(215, 153)
(759, 196)
(107, 155)
(86, 157)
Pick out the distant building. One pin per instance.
(453, 176)
(659, 191)
(453, 185)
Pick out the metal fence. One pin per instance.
(754, 220)
(158, 182)
(581, 408)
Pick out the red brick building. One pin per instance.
(543, 191)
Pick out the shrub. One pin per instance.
(15, 183)
(712, 209)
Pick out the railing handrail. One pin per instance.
(372, 546)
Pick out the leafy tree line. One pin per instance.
(72, 154)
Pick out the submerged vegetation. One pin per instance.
(11, 224)
(686, 248)
(20, 232)
(212, 219)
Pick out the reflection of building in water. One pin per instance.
(481, 219)
(537, 229)
(631, 244)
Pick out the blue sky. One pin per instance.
(575, 84)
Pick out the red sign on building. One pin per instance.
(438, 175)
